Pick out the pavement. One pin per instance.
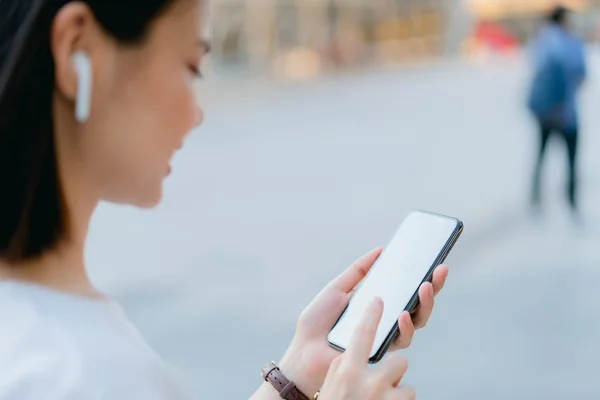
(287, 183)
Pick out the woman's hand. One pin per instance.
(350, 379)
(308, 359)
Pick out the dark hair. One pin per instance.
(32, 210)
(558, 15)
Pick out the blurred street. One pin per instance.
(286, 184)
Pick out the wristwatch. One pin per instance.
(287, 389)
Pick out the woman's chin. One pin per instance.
(149, 199)
(141, 196)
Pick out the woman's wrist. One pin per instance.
(299, 367)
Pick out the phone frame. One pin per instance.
(414, 301)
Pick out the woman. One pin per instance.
(95, 97)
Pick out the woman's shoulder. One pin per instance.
(37, 360)
(58, 347)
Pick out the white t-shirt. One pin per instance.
(59, 346)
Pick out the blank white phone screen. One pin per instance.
(396, 275)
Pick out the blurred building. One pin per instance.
(302, 38)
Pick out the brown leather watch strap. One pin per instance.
(287, 390)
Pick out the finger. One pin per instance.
(402, 393)
(348, 280)
(407, 331)
(393, 368)
(425, 308)
(439, 278)
(362, 339)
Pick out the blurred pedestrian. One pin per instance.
(95, 98)
(559, 69)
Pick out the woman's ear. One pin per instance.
(71, 41)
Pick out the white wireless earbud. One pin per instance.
(83, 66)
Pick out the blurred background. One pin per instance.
(327, 121)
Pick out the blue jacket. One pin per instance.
(559, 68)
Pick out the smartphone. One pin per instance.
(420, 245)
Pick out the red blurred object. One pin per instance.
(495, 37)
